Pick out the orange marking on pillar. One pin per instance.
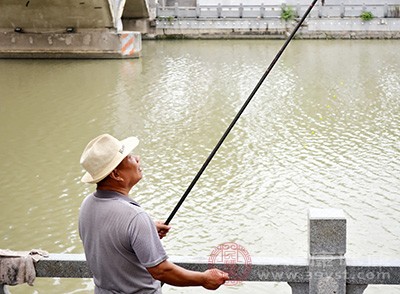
(129, 43)
(132, 51)
(124, 36)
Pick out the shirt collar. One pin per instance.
(106, 194)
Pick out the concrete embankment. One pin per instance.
(252, 19)
(256, 28)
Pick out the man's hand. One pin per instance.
(214, 278)
(162, 229)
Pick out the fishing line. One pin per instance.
(214, 151)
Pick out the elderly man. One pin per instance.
(122, 244)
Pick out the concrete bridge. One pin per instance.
(112, 28)
(71, 28)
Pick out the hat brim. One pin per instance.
(130, 143)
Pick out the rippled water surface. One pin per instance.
(323, 131)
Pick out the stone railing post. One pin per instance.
(157, 9)
(385, 10)
(364, 7)
(262, 10)
(219, 10)
(342, 10)
(319, 9)
(176, 10)
(327, 246)
(198, 10)
(298, 9)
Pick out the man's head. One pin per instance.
(105, 155)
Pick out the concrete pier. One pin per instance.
(69, 29)
(85, 44)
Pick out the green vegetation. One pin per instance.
(287, 13)
(167, 18)
(366, 16)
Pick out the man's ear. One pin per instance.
(115, 175)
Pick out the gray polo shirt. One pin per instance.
(120, 242)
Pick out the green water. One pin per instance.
(323, 131)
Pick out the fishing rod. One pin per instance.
(214, 151)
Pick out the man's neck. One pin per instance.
(121, 190)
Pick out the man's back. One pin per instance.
(120, 241)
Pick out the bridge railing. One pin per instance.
(326, 270)
(342, 10)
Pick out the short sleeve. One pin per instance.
(145, 241)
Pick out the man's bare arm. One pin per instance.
(177, 276)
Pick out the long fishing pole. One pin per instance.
(214, 151)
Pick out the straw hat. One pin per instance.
(103, 154)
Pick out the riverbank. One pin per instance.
(333, 20)
(273, 28)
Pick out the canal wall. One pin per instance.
(327, 20)
(274, 29)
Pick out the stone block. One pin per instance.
(327, 232)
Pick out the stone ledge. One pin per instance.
(359, 271)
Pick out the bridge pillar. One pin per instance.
(66, 29)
